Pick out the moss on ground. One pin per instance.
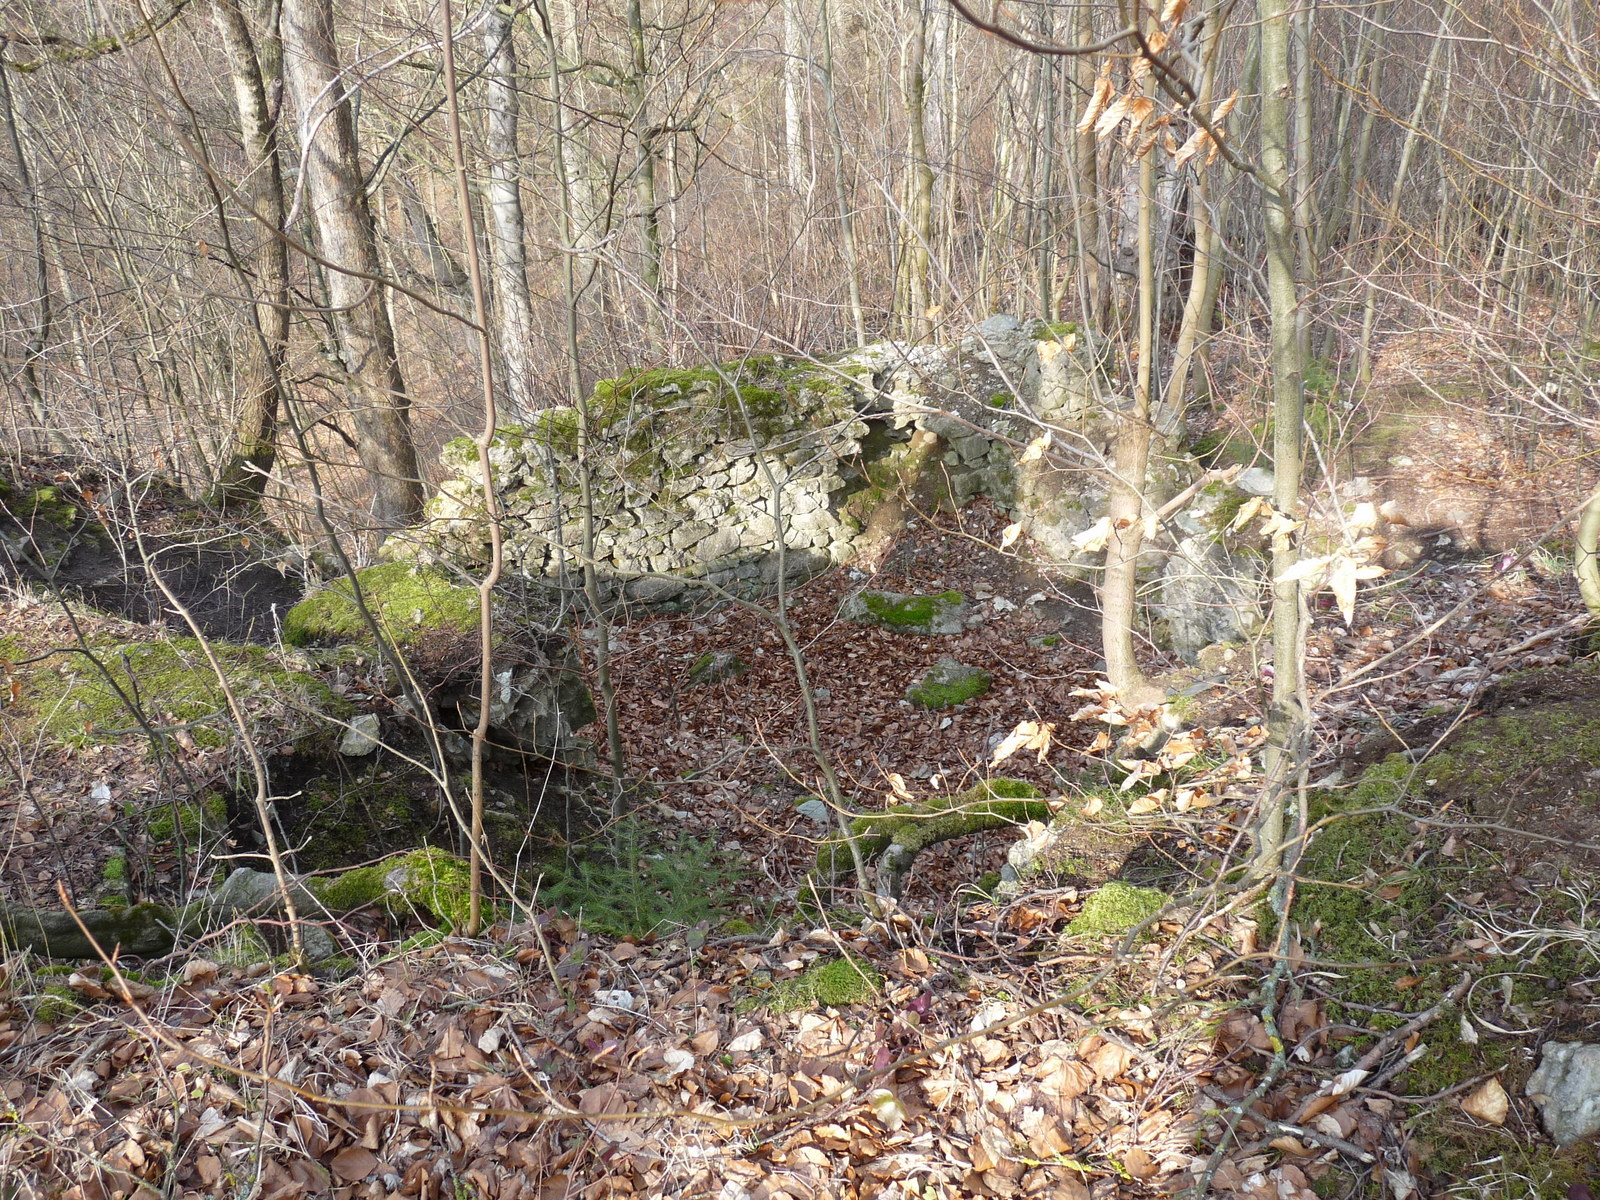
(915, 827)
(1115, 908)
(947, 685)
(210, 815)
(428, 881)
(834, 983)
(172, 684)
(406, 601)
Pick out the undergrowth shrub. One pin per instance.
(639, 882)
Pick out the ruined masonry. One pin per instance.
(688, 463)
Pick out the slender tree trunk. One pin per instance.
(1119, 591)
(647, 209)
(253, 449)
(39, 334)
(919, 198)
(1391, 215)
(336, 198)
(580, 403)
(507, 235)
(1286, 718)
(841, 185)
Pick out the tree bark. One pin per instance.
(253, 450)
(507, 231)
(336, 197)
(1286, 717)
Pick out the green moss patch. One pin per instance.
(945, 613)
(1116, 908)
(427, 881)
(912, 828)
(172, 684)
(406, 601)
(834, 983)
(948, 684)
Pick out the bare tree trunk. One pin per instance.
(337, 200)
(647, 209)
(1286, 717)
(1119, 591)
(39, 335)
(253, 450)
(841, 189)
(507, 233)
(919, 197)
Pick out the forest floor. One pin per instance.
(960, 1043)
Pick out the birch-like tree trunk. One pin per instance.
(336, 198)
(1286, 717)
(253, 448)
(513, 327)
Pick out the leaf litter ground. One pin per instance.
(544, 1061)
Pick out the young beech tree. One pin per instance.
(336, 197)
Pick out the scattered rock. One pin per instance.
(948, 684)
(945, 613)
(1566, 1087)
(714, 666)
(361, 738)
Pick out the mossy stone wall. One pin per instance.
(686, 462)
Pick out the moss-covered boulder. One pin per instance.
(121, 691)
(715, 666)
(406, 600)
(888, 842)
(943, 614)
(948, 684)
(427, 884)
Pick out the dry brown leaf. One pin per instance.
(354, 1163)
(1488, 1103)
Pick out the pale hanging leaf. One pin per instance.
(1028, 735)
(1093, 805)
(1112, 117)
(1174, 11)
(1102, 740)
(1224, 108)
(1305, 569)
(1157, 40)
(1247, 513)
(1169, 143)
(1342, 581)
(1095, 537)
(1098, 100)
(1138, 71)
(1139, 110)
(1152, 526)
(1010, 534)
(1364, 517)
(1197, 142)
(1279, 523)
(1035, 449)
(897, 784)
(1144, 804)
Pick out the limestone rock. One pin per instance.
(1566, 1087)
(947, 685)
(361, 738)
(714, 666)
(945, 613)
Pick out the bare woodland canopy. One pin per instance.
(231, 226)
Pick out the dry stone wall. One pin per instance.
(696, 471)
